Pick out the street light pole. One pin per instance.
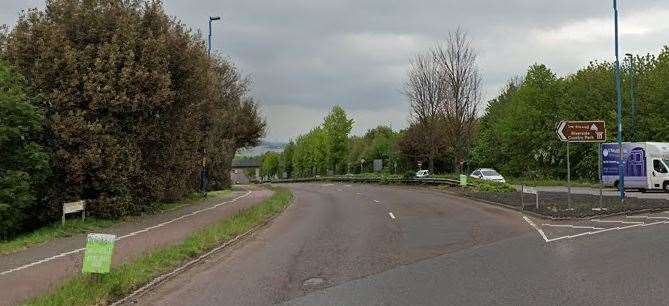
(204, 174)
(619, 113)
(210, 20)
(632, 71)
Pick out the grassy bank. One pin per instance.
(77, 226)
(85, 290)
(551, 182)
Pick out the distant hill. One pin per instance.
(264, 147)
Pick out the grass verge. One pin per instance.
(552, 182)
(77, 226)
(87, 290)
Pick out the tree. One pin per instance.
(336, 127)
(444, 92)
(459, 75)
(133, 104)
(271, 162)
(24, 166)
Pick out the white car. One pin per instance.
(422, 173)
(488, 175)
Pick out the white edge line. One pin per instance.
(541, 232)
(47, 259)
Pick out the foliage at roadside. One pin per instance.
(517, 132)
(75, 225)
(85, 290)
(489, 186)
(132, 105)
(24, 166)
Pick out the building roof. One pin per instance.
(245, 163)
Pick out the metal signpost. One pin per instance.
(74, 207)
(579, 131)
(98, 254)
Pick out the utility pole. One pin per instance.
(204, 175)
(632, 72)
(619, 113)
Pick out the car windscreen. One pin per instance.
(490, 173)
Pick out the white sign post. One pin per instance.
(74, 207)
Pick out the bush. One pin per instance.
(490, 186)
(133, 103)
(23, 163)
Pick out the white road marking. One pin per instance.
(572, 226)
(44, 260)
(391, 215)
(615, 221)
(340, 190)
(358, 193)
(377, 201)
(646, 217)
(541, 232)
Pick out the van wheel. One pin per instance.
(666, 186)
(615, 184)
(643, 190)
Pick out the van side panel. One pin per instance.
(635, 162)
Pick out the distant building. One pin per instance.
(245, 171)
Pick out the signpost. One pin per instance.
(463, 180)
(98, 255)
(579, 131)
(74, 207)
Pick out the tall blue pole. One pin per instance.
(619, 113)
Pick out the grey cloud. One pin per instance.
(305, 56)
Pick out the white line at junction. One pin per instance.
(45, 260)
(573, 226)
(391, 215)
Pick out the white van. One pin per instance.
(646, 165)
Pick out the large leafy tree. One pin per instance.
(24, 166)
(133, 104)
(337, 127)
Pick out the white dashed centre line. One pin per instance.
(377, 201)
(391, 215)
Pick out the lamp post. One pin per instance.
(619, 113)
(632, 71)
(204, 174)
(210, 20)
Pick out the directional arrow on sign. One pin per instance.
(560, 130)
(581, 131)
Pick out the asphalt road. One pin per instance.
(374, 245)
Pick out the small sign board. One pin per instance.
(530, 190)
(582, 131)
(98, 254)
(378, 165)
(73, 207)
(463, 180)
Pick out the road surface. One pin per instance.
(377, 245)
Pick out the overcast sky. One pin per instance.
(305, 56)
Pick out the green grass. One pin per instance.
(76, 226)
(87, 290)
(53, 231)
(551, 182)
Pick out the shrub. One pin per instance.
(490, 186)
(23, 163)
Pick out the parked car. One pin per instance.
(422, 173)
(488, 175)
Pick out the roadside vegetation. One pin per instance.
(516, 134)
(75, 225)
(114, 102)
(122, 280)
